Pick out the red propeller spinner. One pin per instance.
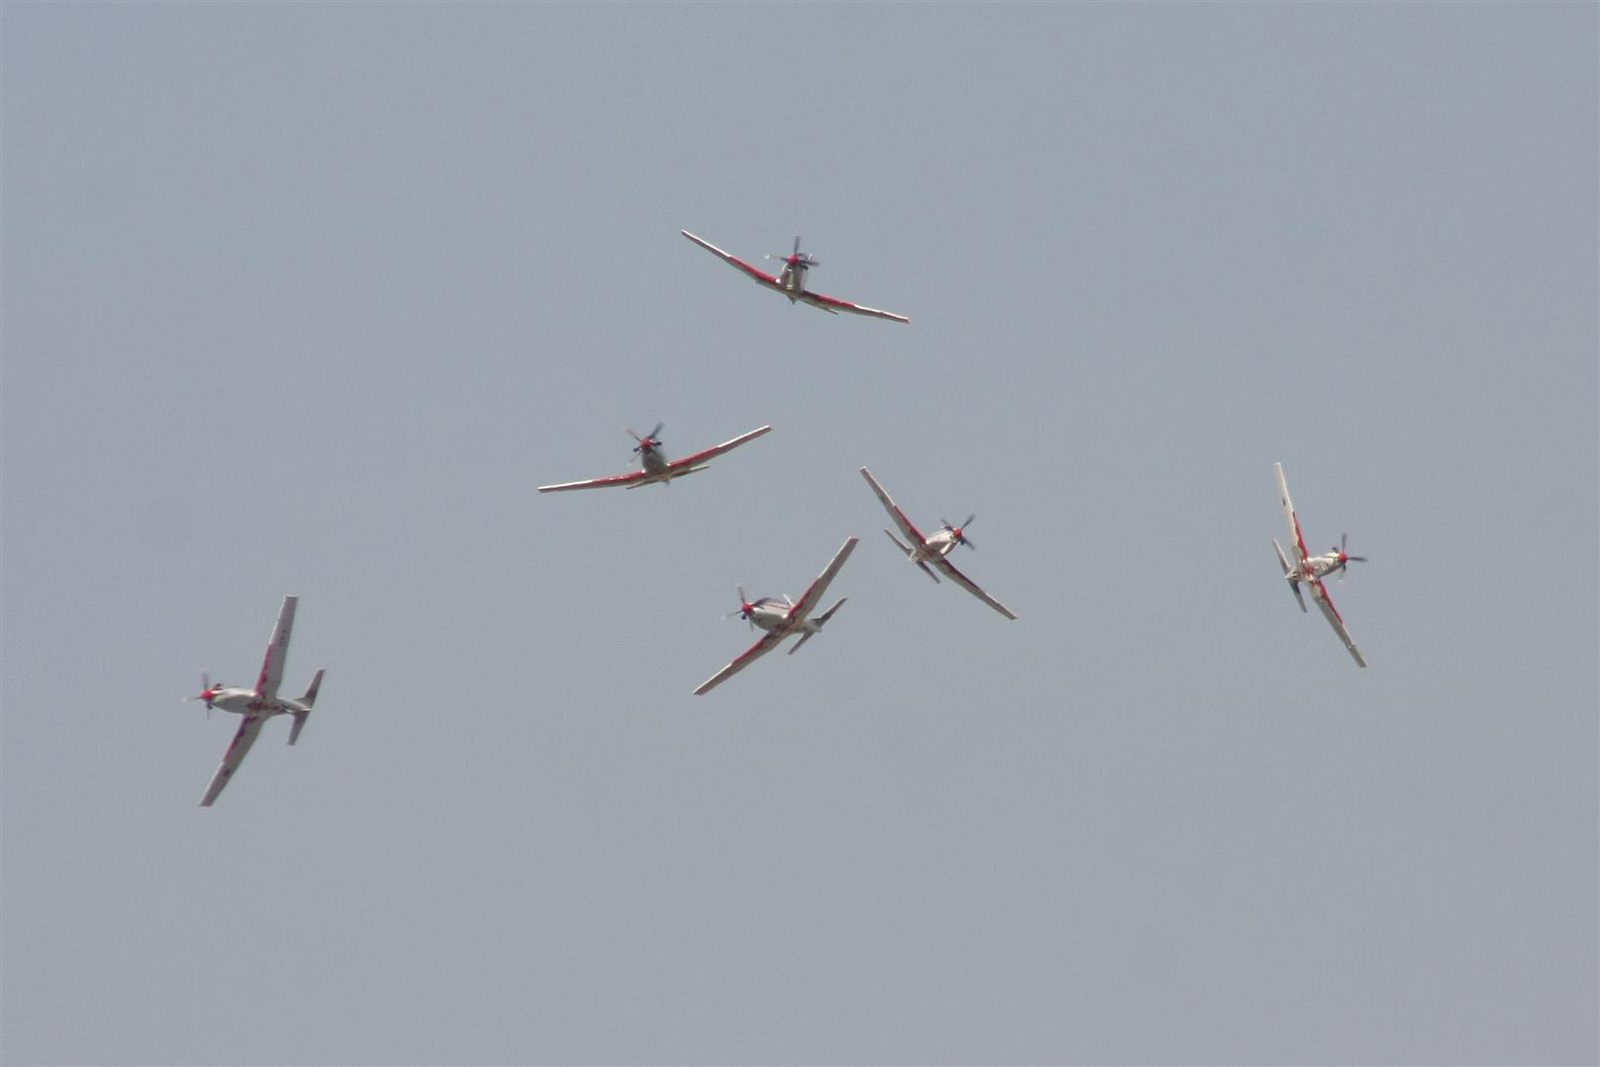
(649, 442)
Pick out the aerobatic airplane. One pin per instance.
(259, 704)
(933, 548)
(1309, 570)
(791, 281)
(653, 465)
(781, 618)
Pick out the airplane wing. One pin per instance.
(1319, 593)
(277, 651)
(834, 304)
(761, 276)
(895, 513)
(767, 643)
(631, 478)
(233, 757)
(972, 587)
(717, 450)
(1297, 541)
(808, 600)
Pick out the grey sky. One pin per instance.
(308, 298)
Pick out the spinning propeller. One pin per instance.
(746, 610)
(1345, 558)
(961, 537)
(208, 692)
(798, 258)
(649, 443)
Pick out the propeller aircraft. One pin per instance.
(1309, 570)
(782, 617)
(259, 704)
(653, 465)
(935, 547)
(791, 280)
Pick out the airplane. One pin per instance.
(653, 465)
(780, 618)
(1309, 570)
(259, 704)
(791, 281)
(934, 548)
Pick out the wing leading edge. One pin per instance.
(248, 731)
(1297, 542)
(761, 276)
(912, 533)
(808, 600)
(1319, 593)
(972, 587)
(766, 644)
(277, 652)
(834, 304)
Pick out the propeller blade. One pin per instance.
(797, 244)
(204, 694)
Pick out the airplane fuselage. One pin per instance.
(653, 460)
(792, 278)
(1315, 567)
(658, 471)
(246, 702)
(772, 615)
(938, 546)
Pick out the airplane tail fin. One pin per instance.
(819, 620)
(826, 615)
(911, 555)
(1288, 574)
(308, 700)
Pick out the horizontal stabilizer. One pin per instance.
(826, 615)
(1288, 574)
(311, 690)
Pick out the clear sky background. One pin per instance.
(308, 298)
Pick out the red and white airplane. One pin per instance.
(653, 465)
(1309, 570)
(781, 618)
(933, 548)
(259, 704)
(791, 281)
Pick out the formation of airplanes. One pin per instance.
(776, 618)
